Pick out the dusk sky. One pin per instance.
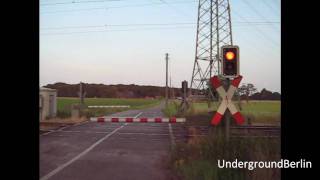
(125, 41)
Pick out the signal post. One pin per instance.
(231, 75)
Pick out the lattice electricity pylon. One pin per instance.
(213, 31)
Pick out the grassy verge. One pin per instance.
(64, 105)
(173, 110)
(198, 159)
(58, 122)
(265, 112)
(262, 111)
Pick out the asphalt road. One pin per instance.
(109, 151)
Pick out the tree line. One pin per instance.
(249, 91)
(111, 91)
(246, 91)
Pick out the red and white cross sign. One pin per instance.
(226, 100)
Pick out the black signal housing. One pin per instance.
(230, 61)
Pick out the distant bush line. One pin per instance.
(135, 91)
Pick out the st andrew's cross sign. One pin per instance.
(226, 100)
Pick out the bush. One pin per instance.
(171, 110)
(63, 114)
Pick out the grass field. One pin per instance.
(64, 105)
(256, 111)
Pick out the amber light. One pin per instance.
(230, 55)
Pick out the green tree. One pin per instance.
(247, 90)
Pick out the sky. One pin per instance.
(125, 41)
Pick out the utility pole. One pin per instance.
(167, 58)
(171, 90)
(227, 115)
(81, 94)
(76, 109)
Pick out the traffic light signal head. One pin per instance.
(230, 61)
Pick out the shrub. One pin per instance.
(63, 114)
(171, 109)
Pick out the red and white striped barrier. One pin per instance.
(226, 100)
(141, 120)
(113, 106)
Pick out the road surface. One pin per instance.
(109, 151)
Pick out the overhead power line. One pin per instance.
(257, 29)
(116, 30)
(174, 8)
(163, 24)
(114, 7)
(115, 25)
(76, 2)
(256, 11)
(271, 8)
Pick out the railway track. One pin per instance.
(259, 131)
(183, 133)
